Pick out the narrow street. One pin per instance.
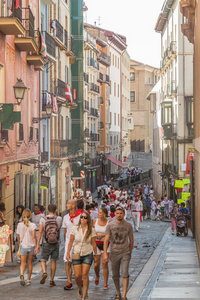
(146, 241)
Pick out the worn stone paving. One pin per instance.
(146, 240)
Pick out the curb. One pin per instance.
(136, 290)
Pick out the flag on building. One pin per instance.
(85, 8)
(68, 94)
(55, 107)
(42, 46)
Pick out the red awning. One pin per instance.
(116, 162)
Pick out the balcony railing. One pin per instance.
(101, 125)
(51, 45)
(44, 156)
(21, 132)
(94, 112)
(100, 79)
(86, 105)
(28, 22)
(94, 88)
(46, 99)
(60, 88)
(57, 30)
(169, 131)
(66, 38)
(72, 45)
(17, 12)
(94, 137)
(4, 136)
(107, 79)
(58, 148)
(104, 58)
(100, 102)
(86, 133)
(93, 63)
(86, 77)
(31, 134)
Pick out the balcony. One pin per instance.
(94, 137)
(60, 88)
(86, 133)
(50, 43)
(101, 125)
(173, 47)
(94, 112)
(58, 149)
(71, 50)
(46, 99)
(94, 88)
(86, 105)
(100, 79)
(11, 24)
(58, 35)
(27, 43)
(100, 101)
(104, 59)
(93, 63)
(107, 79)
(86, 77)
(169, 131)
(44, 156)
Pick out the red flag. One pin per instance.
(68, 94)
(55, 110)
(16, 4)
(74, 94)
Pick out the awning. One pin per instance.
(116, 162)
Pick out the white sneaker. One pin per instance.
(28, 282)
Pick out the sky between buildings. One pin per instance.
(135, 19)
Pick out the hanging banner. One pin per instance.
(179, 201)
(186, 181)
(185, 196)
(190, 156)
(179, 184)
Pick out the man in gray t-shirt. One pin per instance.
(120, 234)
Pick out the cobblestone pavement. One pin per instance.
(146, 240)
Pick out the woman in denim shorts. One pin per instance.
(83, 238)
(26, 236)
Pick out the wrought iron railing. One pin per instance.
(86, 105)
(29, 22)
(58, 30)
(46, 99)
(86, 77)
(60, 88)
(21, 132)
(58, 148)
(66, 38)
(51, 45)
(44, 156)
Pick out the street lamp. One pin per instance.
(19, 90)
(49, 109)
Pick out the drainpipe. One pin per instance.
(184, 91)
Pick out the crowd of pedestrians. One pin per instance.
(93, 232)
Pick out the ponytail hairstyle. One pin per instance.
(26, 216)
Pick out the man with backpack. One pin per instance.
(50, 228)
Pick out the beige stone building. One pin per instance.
(142, 80)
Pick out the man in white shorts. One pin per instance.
(69, 221)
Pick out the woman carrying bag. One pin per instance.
(83, 237)
(27, 243)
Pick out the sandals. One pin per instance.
(96, 281)
(80, 294)
(106, 287)
(42, 280)
(118, 297)
(52, 283)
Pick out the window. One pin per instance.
(132, 96)
(114, 140)
(111, 140)
(115, 121)
(118, 119)
(166, 113)
(189, 110)
(115, 89)
(132, 76)
(110, 118)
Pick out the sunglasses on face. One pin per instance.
(84, 217)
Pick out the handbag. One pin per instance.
(100, 247)
(77, 256)
(18, 252)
